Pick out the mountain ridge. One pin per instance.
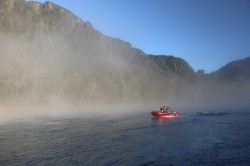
(65, 21)
(238, 70)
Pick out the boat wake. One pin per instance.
(211, 113)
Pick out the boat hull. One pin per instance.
(165, 114)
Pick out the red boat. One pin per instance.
(165, 114)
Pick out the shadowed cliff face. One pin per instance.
(49, 55)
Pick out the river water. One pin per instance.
(203, 138)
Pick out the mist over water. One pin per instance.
(45, 75)
(132, 139)
(15, 115)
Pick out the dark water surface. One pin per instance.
(195, 139)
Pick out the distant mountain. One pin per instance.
(236, 70)
(172, 64)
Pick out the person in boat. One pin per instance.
(165, 108)
(161, 109)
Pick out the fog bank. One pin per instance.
(38, 78)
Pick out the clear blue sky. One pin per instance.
(206, 33)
